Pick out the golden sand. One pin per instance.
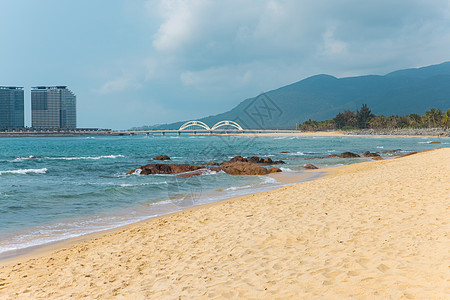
(372, 230)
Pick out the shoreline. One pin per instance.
(337, 134)
(371, 229)
(284, 178)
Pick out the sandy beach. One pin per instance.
(377, 229)
(330, 134)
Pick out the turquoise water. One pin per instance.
(79, 185)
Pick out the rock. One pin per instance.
(35, 157)
(165, 169)
(370, 154)
(322, 157)
(210, 164)
(255, 160)
(435, 142)
(377, 158)
(348, 155)
(161, 157)
(191, 174)
(237, 159)
(310, 167)
(274, 170)
(268, 161)
(241, 168)
(285, 152)
(392, 151)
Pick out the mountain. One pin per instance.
(321, 97)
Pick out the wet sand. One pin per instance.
(377, 229)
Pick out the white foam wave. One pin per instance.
(87, 157)
(286, 169)
(68, 158)
(142, 184)
(234, 188)
(25, 171)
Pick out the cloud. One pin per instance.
(118, 85)
(203, 52)
(179, 23)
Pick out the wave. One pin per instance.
(67, 158)
(142, 184)
(25, 171)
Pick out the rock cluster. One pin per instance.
(236, 166)
(164, 169)
(161, 157)
(310, 167)
(255, 160)
(392, 151)
(370, 154)
(342, 155)
(443, 132)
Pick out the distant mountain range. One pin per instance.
(321, 97)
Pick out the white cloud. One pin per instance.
(118, 85)
(179, 25)
(205, 51)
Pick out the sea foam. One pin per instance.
(25, 171)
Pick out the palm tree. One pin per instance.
(433, 117)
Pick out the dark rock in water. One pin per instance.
(342, 155)
(392, 151)
(236, 166)
(435, 142)
(285, 152)
(191, 174)
(164, 169)
(210, 164)
(237, 159)
(310, 166)
(348, 155)
(268, 161)
(161, 157)
(241, 168)
(377, 158)
(274, 170)
(370, 154)
(254, 160)
(322, 157)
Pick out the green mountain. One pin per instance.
(321, 97)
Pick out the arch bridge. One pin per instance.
(216, 126)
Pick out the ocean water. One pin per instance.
(53, 189)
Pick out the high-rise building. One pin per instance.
(11, 107)
(53, 107)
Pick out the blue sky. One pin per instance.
(136, 62)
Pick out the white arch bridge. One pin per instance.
(189, 125)
(199, 127)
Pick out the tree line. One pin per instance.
(364, 118)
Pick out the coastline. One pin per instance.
(337, 134)
(255, 212)
(284, 178)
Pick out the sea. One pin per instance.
(56, 188)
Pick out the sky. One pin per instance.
(136, 62)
